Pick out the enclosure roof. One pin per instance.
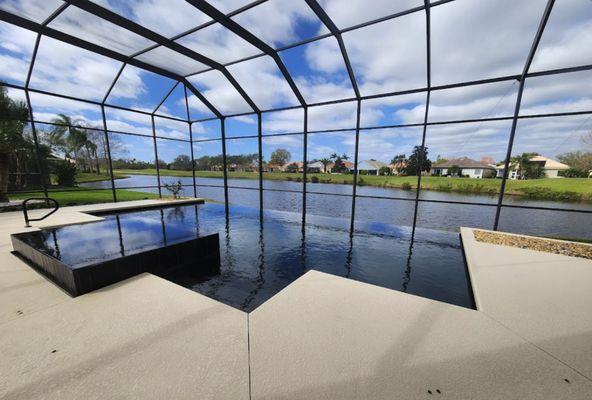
(239, 57)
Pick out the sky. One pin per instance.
(471, 40)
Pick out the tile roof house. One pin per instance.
(398, 167)
(468, 167)
(349, 165)
(371, 167)
(315, 166)
(550, 166)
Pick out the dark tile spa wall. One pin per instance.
(199, 256)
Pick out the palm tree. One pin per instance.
(12, 141)
(522, 162)
(71, 137)
(325, 162)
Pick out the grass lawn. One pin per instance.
(85, 196)
(84, 177)
(570, 189)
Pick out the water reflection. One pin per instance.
(263, 254)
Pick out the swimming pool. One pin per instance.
(260, 258)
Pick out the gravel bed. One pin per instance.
(539, 244)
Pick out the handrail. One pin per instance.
(27, 219)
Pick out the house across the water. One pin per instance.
(315, 167)
(370, 167)
(463, 166)
(551, 168)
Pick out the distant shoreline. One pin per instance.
(552, 189)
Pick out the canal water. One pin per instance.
(398, 212)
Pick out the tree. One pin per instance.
(292, 168)
(325, 162)
(77, 141)
(280, 157)
(418, 161)
(534, 171)
(162, 164)
(399, 161)
(455, 170)
(524, 166)
(338, 163)
(385, 171)
(578, 161)
(181, 163)
(12, 141)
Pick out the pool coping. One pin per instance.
(541, 296)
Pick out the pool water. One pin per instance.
(258, 259)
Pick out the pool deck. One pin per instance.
(322, 337)
(545, 298)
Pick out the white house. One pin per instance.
(467, 166)
(551, 168)
(371, 167)
(316, 166)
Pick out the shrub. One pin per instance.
(573, 173)
(548, 194)
(385, 171)
(299, 179)
(314, 179)
(289, 178)
(65, 172)
(444, 187)
(406, 186)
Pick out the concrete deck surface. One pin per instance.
(545, 298)
(326, 337)
(142, 338)
(323, 337)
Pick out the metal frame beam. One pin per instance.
(237, 29)
(427, 109)
(83, 44)
(191, 141)
(531, 54)
(328, 22)
(140, 30)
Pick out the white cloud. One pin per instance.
(567, 37)
(69, 70)
(218, 90)
(16, 48)
(293, 143)
(262, 81)
(482, 39)
(389, 56)
(167, 17)
(358, 11)
(86, 26)
(35, 10)
(219, 44)
(287, 121)
(276, 22)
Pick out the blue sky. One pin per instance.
(470, 40)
